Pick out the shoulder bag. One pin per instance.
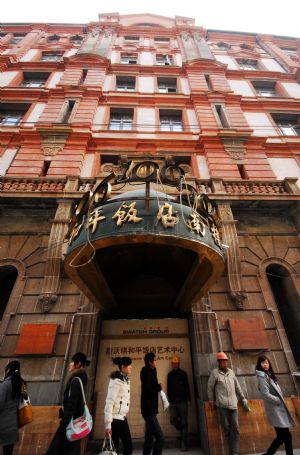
(82, 426)
(25, 414)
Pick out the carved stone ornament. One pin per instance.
(185, 36)
(53, 144)
(238, 298)
(47, 301)
(108, 32)
(51, 150)
(235, 148)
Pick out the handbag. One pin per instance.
(25, 414)
(164, 400)
(108, 447)
(82, 426)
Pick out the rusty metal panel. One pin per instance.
(248, 334)
(36, 339)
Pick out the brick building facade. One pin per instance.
(78, 100)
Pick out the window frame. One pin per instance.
(221, 115)
(167, 60)
(125, 124)
(120, 76)
(28, 83)
(158, 81)
(46, 54)
(267, 87)
(291, 125)
(244, 65)
(129, 55)
(174, 126)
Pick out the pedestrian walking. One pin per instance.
(73, 406)
(117, 405)
(154, 438)
(223, 389)
(276, 409)
(178, 392)
(10, 394)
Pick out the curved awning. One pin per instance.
(144, 253)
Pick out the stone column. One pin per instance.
(51, 283)
(230, 240)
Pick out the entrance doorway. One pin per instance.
(134, 338)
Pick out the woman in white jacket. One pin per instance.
(117, 405)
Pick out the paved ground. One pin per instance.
(194, 451)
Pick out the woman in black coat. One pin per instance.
(10, 393)
(73, 406)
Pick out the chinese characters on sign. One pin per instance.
(135, 350)
(128, 213)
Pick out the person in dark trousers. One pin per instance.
(276, 409)
(223, 389)
(73, 406)
(117, 405)
(149, 407)
(10, 394)
(178, 392)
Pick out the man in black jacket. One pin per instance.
(178, 391)
(149, 407)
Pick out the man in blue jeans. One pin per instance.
(149, 407)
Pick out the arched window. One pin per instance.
(288, 303)
(8, 276)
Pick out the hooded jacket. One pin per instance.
(118, 398)
(223, 388)
(9, 433)
(275, 407)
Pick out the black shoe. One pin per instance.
(183, 447)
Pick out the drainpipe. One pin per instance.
(67, 353)
(213, 313)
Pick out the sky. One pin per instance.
(254, 16)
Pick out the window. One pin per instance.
(170, 120)
(121, 119)
(83, 76)
(166, 84)
(34, 79)
(242, 171)
(12, 114)
(265, 88)
(76, 39)
(223, 46)
(125, 84)
(8, 276)
(246, 64)
(51, 56)
(45, 168)
(221, 115)
(16, 39)
(129, 59)
(208, 81)
(288, 123)
(164, 60)
(290, 51)
(161, 40)
(132, 39)
(53, 38)
(68, 110)
(246, 47)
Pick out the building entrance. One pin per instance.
(133, 338)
